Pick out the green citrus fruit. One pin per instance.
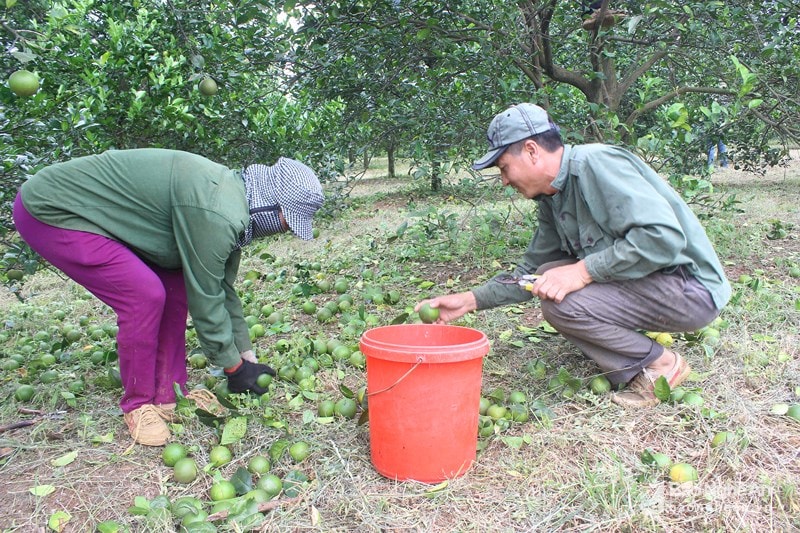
(14, 274)
(258, 330)
(345, 407)
(299, 451)
(172, 453)
(309, 307)
(222, 490)
(208, 87)
(198, 360)
(219, 456)
(48, 376)
(357, 359)
(682, 472)
(519, 413)
(483, 405)
(600, 385)
(517, 396)
(184, 470)
(258, 464)
(326, 408)
(24, 393)
(263, 380)
(341, 352)
(721, 438)
(271, 484)
(341, 286)
(428, 314)
(496, 411)
(185, 505)
(23, 83)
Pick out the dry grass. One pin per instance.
(580, 472)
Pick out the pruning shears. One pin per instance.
(526, 281)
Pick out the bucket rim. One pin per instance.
(372, 345)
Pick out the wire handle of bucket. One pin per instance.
(420, 360)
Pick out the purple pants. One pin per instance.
(150, 303)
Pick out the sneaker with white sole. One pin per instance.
(146, 426)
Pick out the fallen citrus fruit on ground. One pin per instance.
(682, 472)
(299, 451)
(24, 393)
(172, 453)
(185, 470)
(258, 464)
(220, 455)
(271, 484)
(600, 385)
(345, 407)
(222, 490)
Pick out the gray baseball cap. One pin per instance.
(516, 123)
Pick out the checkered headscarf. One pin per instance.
(287, 186)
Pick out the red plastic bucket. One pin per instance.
(424, 387)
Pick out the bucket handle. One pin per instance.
(420, 360)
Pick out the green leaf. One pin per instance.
(513, 442)
(10, 3)
(235, 429)
(42, 490)
(242, 480)
(65, 459)
(277, 449)
(58, 520)
(109, 526)
(662, 390)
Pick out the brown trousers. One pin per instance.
(604, 320)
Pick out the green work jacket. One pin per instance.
(174, 209)
(617, 214)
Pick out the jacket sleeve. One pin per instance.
(241, 333)
(205, 242)
(543, 248)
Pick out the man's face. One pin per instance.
(524, 170)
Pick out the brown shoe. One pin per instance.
(205, 399)
(640, 392)
(146, 426)
(167, 412)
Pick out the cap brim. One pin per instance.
(300, 225)
(489, 159)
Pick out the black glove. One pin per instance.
(244, 378)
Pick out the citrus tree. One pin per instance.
(645, 74)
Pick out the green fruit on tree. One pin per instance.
(428, 314)
(23, 83)
(299, 451)
(222, 490)
(208, 87)
(184, 470)
(172, 452)
(220, 455)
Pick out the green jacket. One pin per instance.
(619, 216)
(173, 209)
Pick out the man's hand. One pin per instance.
(557, 282)
(451, 306)
(245, 377)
